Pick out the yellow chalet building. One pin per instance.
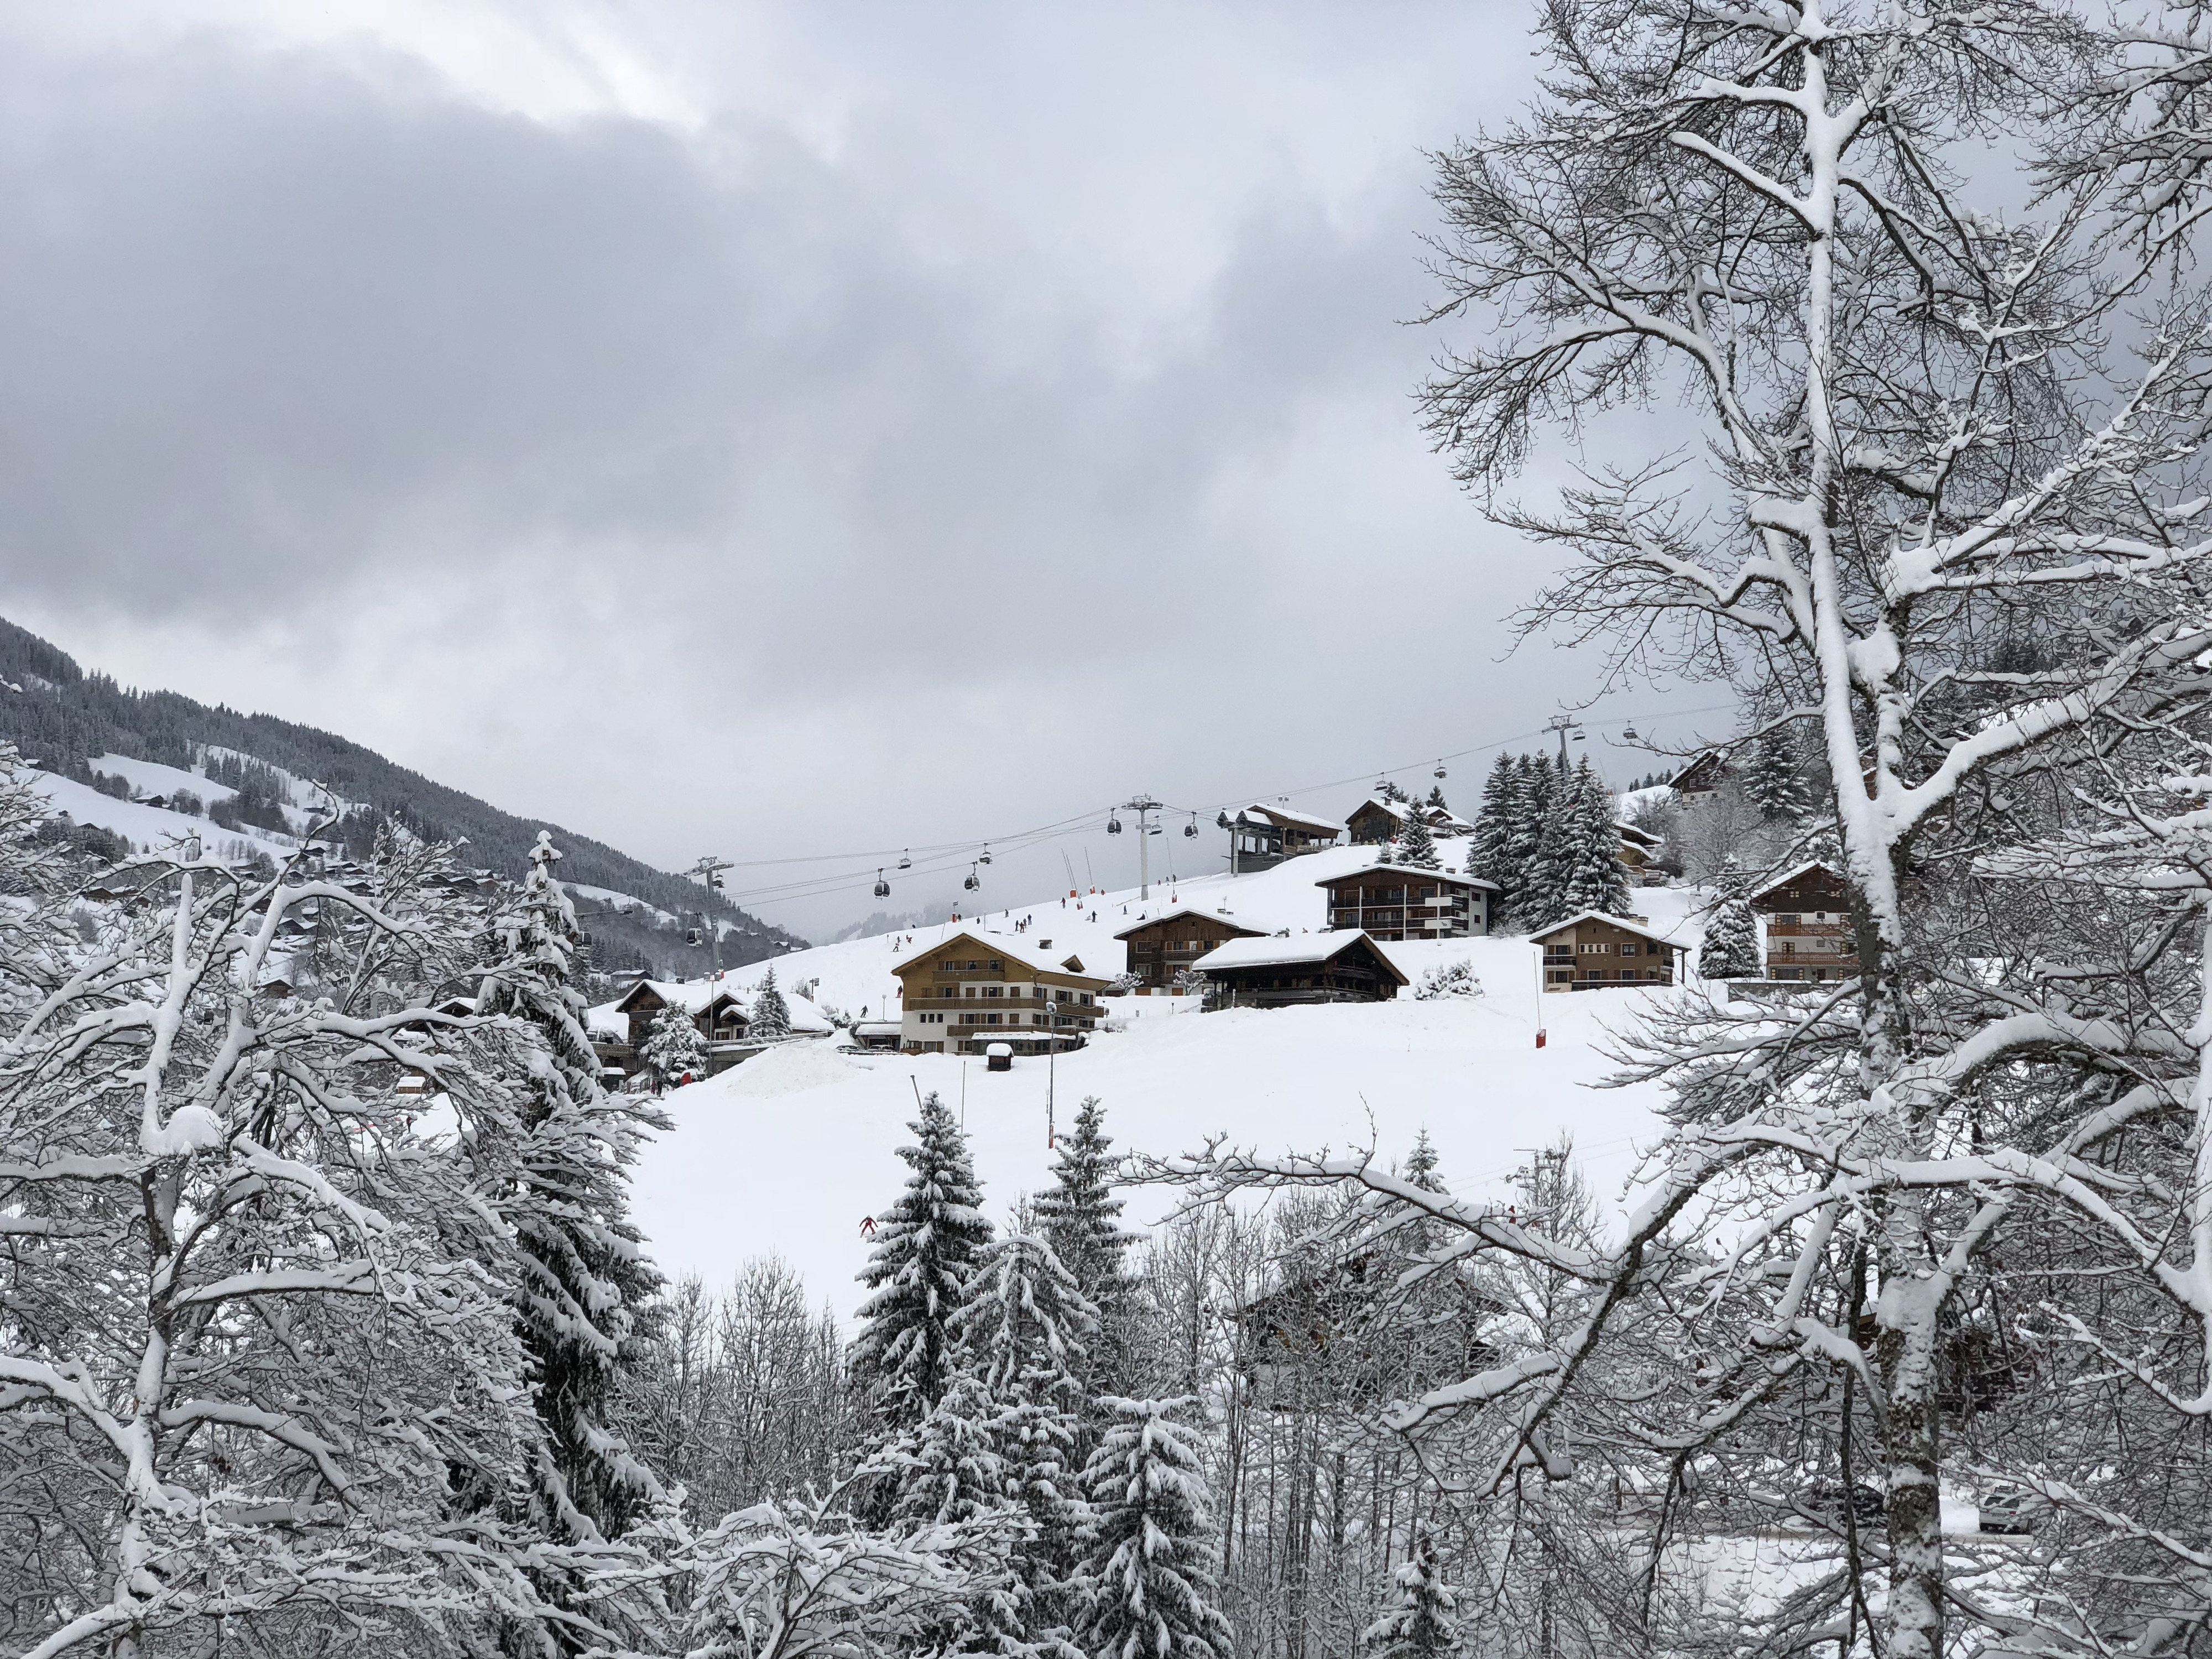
(974, 989)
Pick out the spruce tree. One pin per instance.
(1421, 1619)
(1024, 1325)
(771, 1014)
(1417, 846)
(1490, 856)
(1774, 778)
(1731, 948)
(583, 1282)
(1436, 800)
(1081, 1219)
(1596, 879)
(1148, 1575)
(1535, 784)
(918, 1274)
(674, 1046)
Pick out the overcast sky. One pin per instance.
(768, 429)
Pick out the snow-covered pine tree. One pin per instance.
(1024, 1327)
(926, 1246)
(771, 1014)
(1491, 853)
(1081, 1219)
(946, 1469)
(1535, 782)
(1151, 1586)
(1579, 867)
(674, 1048)
(584, 1285)
(1774, 778)
(1421, 1619)
(1436, 802)
(1417, 847)
(1731, 948)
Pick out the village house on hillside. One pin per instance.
(720, 1018)
(1809, 925)
(976, 989)
(1262, 836)
(1638, 847)
(1400, 901)
(1276, 973)
(1700, 778)
(1593, 950)
(1165, 945)
(1375, 821)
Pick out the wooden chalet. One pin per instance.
(971, 990)
(1594, 952)
(1637, 846)
(1164, 946)
(1375, 822)
(1402, 901)
(1807, 916)
(1262, 836)
(1277, 973)
(1700, 777)
(720, 1018)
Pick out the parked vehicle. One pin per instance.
(1825, 1502)
(2006, 1508)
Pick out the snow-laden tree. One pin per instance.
(1080, 1216)
(771, 1015)
(585, 1284)
(1024, 1328)
(1928, 469)
(1577, 867)
(1731, 949)
(781, 1581)
(1421, 1619)
(925, 1257)
(1150, 1572)
(1416, 846)
(258, 1357)
(1536, 780)
(1491, 850)
(675, 1049)
(1450, 979)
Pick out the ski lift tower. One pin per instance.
(1141, 805)
(1564, 724)
(710, 871)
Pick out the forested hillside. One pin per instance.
(63, 718)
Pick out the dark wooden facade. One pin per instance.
(1313, 968)
(1164, 946)
(1808, 914)
(1399, 902)
(723, 1022)
(1591, 952)
(1374, 822)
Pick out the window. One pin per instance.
(995, 964)
(1789, 921)
(1628, 949)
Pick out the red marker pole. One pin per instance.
(1540, 996)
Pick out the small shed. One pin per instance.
(999, 1057)
(876, 1034)
(1594, 952)
(1278, 973)
(1164, 945)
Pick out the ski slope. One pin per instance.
(789, 1153)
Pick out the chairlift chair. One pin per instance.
(905, 862)
(986, 858)
(1113, 826)
(1191, 829)
(1628, 735)
(692, 936)
(883, 887)
(1440, 769)
(973, 881)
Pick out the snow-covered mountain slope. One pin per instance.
(156, 827)
(789, 1152)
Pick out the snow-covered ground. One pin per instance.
(789, 1153)
(151, 827)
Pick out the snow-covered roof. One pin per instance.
(1642, 837)
(1798, 874)
(876, 1028)
(1298, 950)
(1284, 816)
(1412, 872)
(691, 995)
(1622, 922)
(1395, 809)
(1188, 910)
(998, 945)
